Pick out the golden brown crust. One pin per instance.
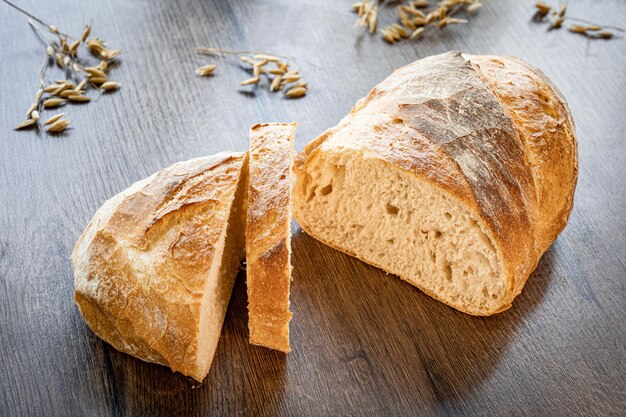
(268, 247)
(141, 266)
(544, 124)
(469, 129)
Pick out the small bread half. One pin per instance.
(268, 234)
(154, 270)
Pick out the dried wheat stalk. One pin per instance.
(558, 16)
(414, 16)
(63, 50)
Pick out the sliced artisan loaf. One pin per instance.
(268, 234)
(455, 173)
(154, 270)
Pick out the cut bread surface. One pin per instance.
(268, 234)
(154, 270)
(405, 226)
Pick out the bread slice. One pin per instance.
(455, 173)
(154, 270)
(268, 234)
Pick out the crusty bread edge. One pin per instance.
(272, 265)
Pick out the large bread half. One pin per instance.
(455, 173)
(154, 270)
(268, 234)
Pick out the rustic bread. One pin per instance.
(154, 270)
(268, 234)
(455, 173)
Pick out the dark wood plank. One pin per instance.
(364, 343)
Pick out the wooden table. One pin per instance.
(364, 343)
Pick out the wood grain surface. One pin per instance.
(364, 343)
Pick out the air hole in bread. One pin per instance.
(391, 209)
(438, 244)
(311, 193)
(448, 271)
(327, 190)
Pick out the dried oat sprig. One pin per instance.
(557, 17)
(414, 17)
(64, 50)
(273, 68)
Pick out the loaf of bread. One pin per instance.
(154, 270)
(456, 173)
(268, 234)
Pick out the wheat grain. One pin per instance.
(74, 47)
(59, 126)
(25, 124)
(98, 80)
(54, 119)
(206, 70)
(110, 86)
(81, 85)
(53, 102)
(276, 83)
(557, 23)
(474, 6)
(249, 81)
(86, 33)
(295, 92)
(542, 8)
(418, 33)
(32, 108)
(247, 60)
(79, 98)
(66, 93)
(269, 58)
(94, 72)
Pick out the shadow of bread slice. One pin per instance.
(155, 268)
(268, 234)
(455, 173)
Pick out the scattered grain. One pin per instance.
(26, 124)
(53, 102)
(249, 81)
(295, 92)
(54, 119)
(59, 126)
(206, 70)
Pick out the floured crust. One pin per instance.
(142, 266)
(493, 132)
(268, 246)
